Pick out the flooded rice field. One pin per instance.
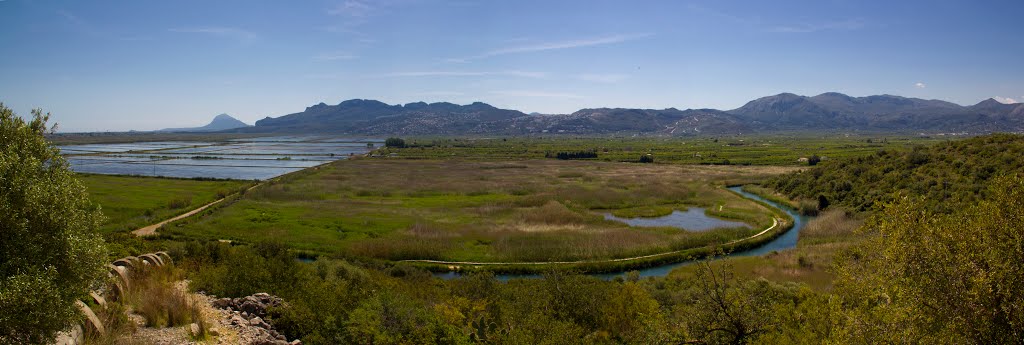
(242, 159)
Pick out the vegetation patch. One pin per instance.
(464, 211)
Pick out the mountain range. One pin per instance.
(220, 123)
(783, 112)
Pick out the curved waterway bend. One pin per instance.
(784, 241)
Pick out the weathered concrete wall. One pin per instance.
(120, 272)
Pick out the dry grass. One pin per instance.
(552, 213)
(116, 322)
(830, 226)
(155, 296)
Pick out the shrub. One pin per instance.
(179, 202)
(808, 208)
(50, 253)
(395, 142)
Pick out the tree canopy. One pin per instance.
(947, 175)
(50, 253)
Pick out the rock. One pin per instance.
(251, 307)
(214, 331)
(222, 303)
(295, 342)
(246, 315)
(238, 320)
(193, 329)
(258, 322)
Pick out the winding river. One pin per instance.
(782, 242)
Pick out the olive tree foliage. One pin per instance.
(726, 310)
(50, 253)
(939, 278)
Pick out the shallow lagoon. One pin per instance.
(693, 219)
(242, 159)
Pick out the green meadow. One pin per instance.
(725, 150)
(491, 211)
(131, 202)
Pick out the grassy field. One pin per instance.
(131, 202)
(726, 150)
(820, 241)
(534, 210)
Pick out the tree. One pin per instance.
(822, 202)
(394, 142)
(646, 159)
(50, 253)
(925, 277)
(725, 310)
(813, 160)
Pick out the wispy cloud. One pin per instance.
(328, 76)
(920, 85)
(351, 9)
(335, 56)
(1005, 100)
(602, 78)
(522, 74)
(758, 23)
(440, 93)
(557, 45)
(236, 34)
(351, 14)
(83, 26)
(840, 25)
(542, 94)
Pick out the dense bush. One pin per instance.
(572, 155)
(50, 253)
(945, 175)
(332, 301)
(394, 142)
(925, 277)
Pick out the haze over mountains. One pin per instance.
(783, 112)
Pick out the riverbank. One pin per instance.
(658, 264)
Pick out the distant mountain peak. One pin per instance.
(991, 102)
(219, 123)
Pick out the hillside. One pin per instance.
(220, 123)
(371, 117)
(783, 112)
(947, 175)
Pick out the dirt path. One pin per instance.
(775, 223)
(150, 230)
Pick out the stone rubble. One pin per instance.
(246, 315)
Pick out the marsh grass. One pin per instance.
(830, 226)
(553, 212)
(478, 211)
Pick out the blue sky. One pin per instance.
(120, 65)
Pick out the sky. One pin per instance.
(145, 65)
